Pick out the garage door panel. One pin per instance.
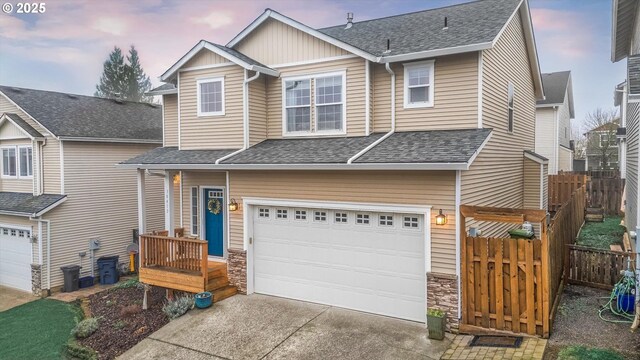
(360, 266)
(15, 257)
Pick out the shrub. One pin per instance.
(73, 350)
(178, 307)
(128, 284)
(85, 328)
(120, 324)
(435, 312)
(130, 310)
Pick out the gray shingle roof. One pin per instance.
(68, 115)
(468, 24)
(238, 54)
(24, 125)
(535, 154)
(163, 89)
(26, 203)
(633, 64)
(436, 146)
(171, 155)
(555, 87)
(303, 151)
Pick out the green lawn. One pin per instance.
(583, 353)
(601, 235)
(36, 330)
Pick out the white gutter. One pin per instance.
(110, 140)
(245, 116)
(393, 118)
(307, 166)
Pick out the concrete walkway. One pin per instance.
(265, 327)
(10, 298)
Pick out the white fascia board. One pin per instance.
(302, 27)
(110, 140)
(536, 159)
(7, 118)
(341, 166)
(549, 105)
(614, 33)
(473, 157)
(532, 49)
(435, 53)
(50, 207)
(29, 115)
(162, 92)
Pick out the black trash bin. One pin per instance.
(108, 269)
(71, 277)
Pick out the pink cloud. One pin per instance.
(564, 33)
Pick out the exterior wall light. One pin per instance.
(233, 205)
(441, 219)
(176, 179)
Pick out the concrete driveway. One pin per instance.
(10, 298)
(265, 327)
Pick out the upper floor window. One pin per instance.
(607, 140)
(325, 100)
(511, 93)
(17, 161)
(210, 97)
(418, 84)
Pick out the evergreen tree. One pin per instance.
(124, 80)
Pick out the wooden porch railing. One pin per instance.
(188, 257)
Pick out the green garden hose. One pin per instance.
(626, 285)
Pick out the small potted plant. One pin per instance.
(436, 321)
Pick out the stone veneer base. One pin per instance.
(237, 269)
(442, 293)
(36, 279)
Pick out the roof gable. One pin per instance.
(558, 88)
(625, 16)
(222, 51)
(12, 125)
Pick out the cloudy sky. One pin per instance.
(63, 49)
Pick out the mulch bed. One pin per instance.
(123, 323)
(577, 323)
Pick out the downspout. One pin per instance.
(556, 142)
(393, 117)
(245, 116)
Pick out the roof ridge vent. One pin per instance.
(388, 47)
(349, 20)
(71, 96)
(446, 23)
(118, 101)
(155, 106)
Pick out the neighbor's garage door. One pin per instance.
(373, 262)
(15, 257)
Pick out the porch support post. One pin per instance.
(142, 214)
(169, 221)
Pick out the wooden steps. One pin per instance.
(218, 281)
(223, 293)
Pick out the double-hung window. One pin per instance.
(418, 84)
(511, 93)
(314, 104)
(210, 97)
(17, 162)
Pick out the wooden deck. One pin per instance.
(182, 264)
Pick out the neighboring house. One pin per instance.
(602, 147)
(59, 187)
(625, 44)
(315, 162)
(553, 121)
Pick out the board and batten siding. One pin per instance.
(195, 178)
(455, 102)
(101, 203)
(355, 109)
(633, 134)
(23, 185)
(170, 109)
(496, 176)
(274, 42)
(545, 142)
(205, 57)
(434, 188)
(257, 109)
(211, 132)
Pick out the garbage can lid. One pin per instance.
(108, 258)
(70, 268)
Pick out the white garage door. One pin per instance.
(15, 257)
(373, 262)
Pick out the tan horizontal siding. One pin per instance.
(52, 166)
(191, 179)
(7, 107)
(257, 110)
(355, 94)
(274, 42)
(531, 184)
(545, 142)
(211, 132)
(170, 108)
(455, 102)
(545, 187)
(102, 203)
(410, 188)
(496, 177)
(16, 185)
(205, 57)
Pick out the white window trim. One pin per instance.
(191, 214)
(432, 78)
(210, 113)
(17, 152)
(313, 105)
(18, 161)
(608, 134)
(511, 121)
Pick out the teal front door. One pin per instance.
(214, 208)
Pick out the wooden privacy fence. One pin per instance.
(605, 193)
(594, 267)
(561, 187)
(563, 231)
(505, 282)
